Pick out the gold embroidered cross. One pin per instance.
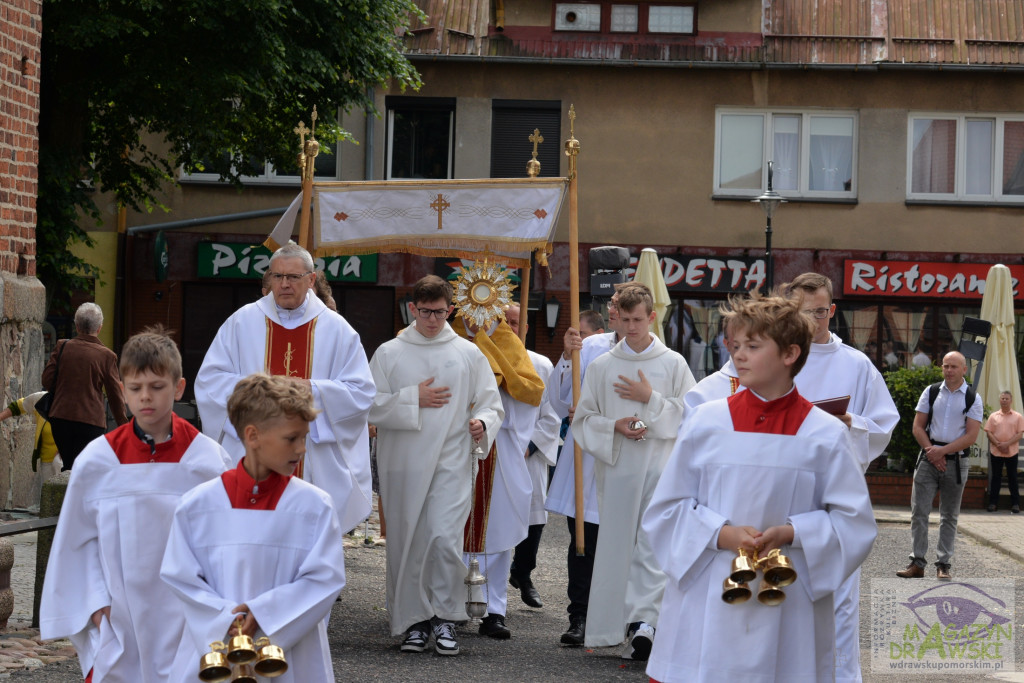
(439, 205)
(288, 355)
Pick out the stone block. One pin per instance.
(49, 506)
(24, 298)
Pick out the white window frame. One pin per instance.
(803, 190)
(270, 175)
(959, 193)
(391, 142)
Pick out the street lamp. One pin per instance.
(769, 201)
(552, 309)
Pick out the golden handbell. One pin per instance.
(744, 567)
(734, 592)
(240, 648)
(214, 666)
(270, 662)
(769, 594)
(244, 673)
(474, 577)
(778, 570)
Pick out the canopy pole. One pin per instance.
(307, 159)
(572, 149)
(524, 303)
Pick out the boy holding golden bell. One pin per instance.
(258, 552)
(760, 471)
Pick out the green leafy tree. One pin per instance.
(220, 84)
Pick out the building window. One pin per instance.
(577, 17)
(813, 154)
(625, 19)
(614, 17)
(670, 19)
(512, 125)
(420, 135)
(965, 158)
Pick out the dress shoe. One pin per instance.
(942, 572)
(527, 591)
(1015, 509)
(577, 630)
(912, 571)
(493, 626)
(991, 508)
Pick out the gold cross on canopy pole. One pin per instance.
(533, 166)
(307, 160)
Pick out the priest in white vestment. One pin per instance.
(500, 516)
(639, 379)
(431, 384)
(291, 332)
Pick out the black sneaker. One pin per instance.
(444, 637)
(417, 637)
(639, 640)
(493, 626)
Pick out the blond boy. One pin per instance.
(760, 470)
(627, 418)
(102, 588)
(257, 551)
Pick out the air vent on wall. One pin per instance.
(577, 17)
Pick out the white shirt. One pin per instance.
(948, 423)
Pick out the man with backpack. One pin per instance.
(947, 423)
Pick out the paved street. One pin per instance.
(363, 651)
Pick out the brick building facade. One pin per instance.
(22, 297)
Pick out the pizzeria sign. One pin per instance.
(934, 280)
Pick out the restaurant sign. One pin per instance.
(235, 260)
(722, 274)
(916, 279)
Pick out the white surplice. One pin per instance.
(107, 550)
(338, 447)
(562, 491)
(627, 584)
(424, 463)
(545, 438)
(720, 384)
(717, 476)
(287, 565)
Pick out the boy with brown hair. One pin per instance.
(761, 470)
(436, 397)
(627, 418)
(101, 589)
(258, 551)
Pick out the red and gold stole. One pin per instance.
(289, 353)
(475, 533)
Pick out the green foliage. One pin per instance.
(905, 387)
(215, 84)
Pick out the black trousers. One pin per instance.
(581, 568)
(71, 437)
(995, 481)
(524, 559)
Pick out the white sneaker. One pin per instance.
(444, 638)
(639, 642)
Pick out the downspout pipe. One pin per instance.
(206, 220)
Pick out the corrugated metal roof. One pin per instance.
(795, 32)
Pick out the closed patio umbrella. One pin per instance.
(648, 272)
(999, 372)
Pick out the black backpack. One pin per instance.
(933, 392)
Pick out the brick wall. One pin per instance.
(894, 489)
(20, 39)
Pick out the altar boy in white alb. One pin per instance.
(835, 369)
(102, 588)
(638, 380)
(291, 333)
(436, 395)
(760, 470)
(257, 551)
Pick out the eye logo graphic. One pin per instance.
(961, 608)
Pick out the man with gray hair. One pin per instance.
(78, 373)
(290, 332)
